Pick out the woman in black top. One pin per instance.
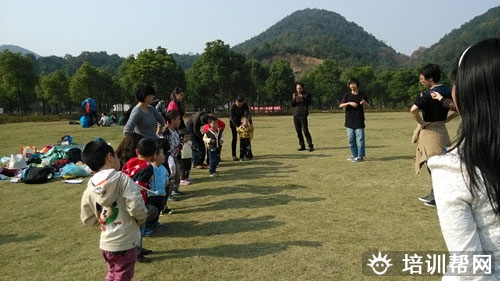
(237, 111)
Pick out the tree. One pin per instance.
(217, 76)
(324, 83)
(55, 91)
(88, 81)
(18, 79)
(258, 76)
(280, 83)
(155, 67)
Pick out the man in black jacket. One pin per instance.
(300, 103)
(194, 125)
(238, 110)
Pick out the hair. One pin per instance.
(144, 90)
(300, 83)
(146, 147)
(211, 118)
(163, 143)
(172, 115)
(183, 132)
(478, 99)
(204, 117)
(244, 117)
(431, 70)
(175, 92)
(354, 80)
(126, 148)
(240, 98)
(94, 154)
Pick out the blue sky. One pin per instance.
(125, 27)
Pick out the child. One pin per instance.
(126, 148)
(213, 139)
(245, 132)
(169, 165)
(221, 125)
(171, 134)
(159, 184)
(186, 157)
(113, 200)
(141, 171)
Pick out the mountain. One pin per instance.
(17, 49)
(316, 35)
(447, 50)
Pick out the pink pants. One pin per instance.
(120, 264)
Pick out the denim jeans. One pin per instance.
(214, 160)
(356, 139)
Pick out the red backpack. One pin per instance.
(87, 106)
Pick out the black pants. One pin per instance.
(245, 149)
(234, 140)
(301, 125)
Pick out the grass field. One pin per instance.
(288, 215)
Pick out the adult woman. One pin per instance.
(177, 104)
(144, 118)
(238, 110)
(466, 180)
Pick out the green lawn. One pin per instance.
(288, 215)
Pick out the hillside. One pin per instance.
(321, 34)
(447, 51)
(17, 49)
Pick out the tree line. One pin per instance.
(212, 82)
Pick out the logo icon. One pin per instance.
(379, 264)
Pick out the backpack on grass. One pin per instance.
(37, 175)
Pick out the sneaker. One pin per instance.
(357, 159)
(148, 232)
(430, 204)
(171, 198)
(167, 211)
(302, 148)
(236, 158)
(350, 158)
(311, 148)
(185, 182)
(145, 252)
(158, 224)
(199, 167)
(241, 159)
(142, 258)
(214, 175)
(189, 179)
(178, 193)
(427, 199)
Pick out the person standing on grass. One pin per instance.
(238, 110)
(177, 104)
(300, 103)
(466, 179)
(171, 134)
(354, 103)
(113, 201)
(144, 118)
(194, 125)
(431, 134)
(213, 139)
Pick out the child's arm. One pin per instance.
(88, 214)
(171, 165)
(133, 200)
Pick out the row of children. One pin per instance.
(127, 204)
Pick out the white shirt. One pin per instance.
(467, 223)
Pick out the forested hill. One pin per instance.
(323, 35)
(447, 51)
(17, 49)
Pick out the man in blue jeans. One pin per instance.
(354, 103)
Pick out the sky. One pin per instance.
(126, 27)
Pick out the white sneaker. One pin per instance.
(185, 182)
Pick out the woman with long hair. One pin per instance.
(466, 180)
(177, 104)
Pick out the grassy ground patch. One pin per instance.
(288, 215)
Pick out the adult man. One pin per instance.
(431, 134)
(90, 108)
(300, 103)
(354, 103)
(238, 110)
